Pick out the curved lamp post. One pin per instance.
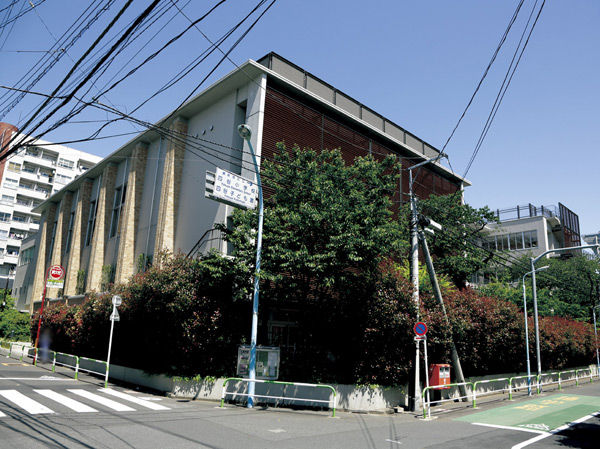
(245, 133)
(526, 329)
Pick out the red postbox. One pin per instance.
(439, 374)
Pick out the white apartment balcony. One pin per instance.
(23, 206)
(33, 191)
(29, 175)
(34, 159)
(13, 240)
(6, 208)
(18, 223)
(46, 161)
(11, 258)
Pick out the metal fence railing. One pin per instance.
(508, 384)
(331, 401)
(78, 364)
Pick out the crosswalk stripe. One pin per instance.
(102, 400)
(142, 402)
(67, 402)
(24, 402)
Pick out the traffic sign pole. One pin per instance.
(420, 329)
(37, 338)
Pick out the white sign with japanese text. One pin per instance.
(233, 189)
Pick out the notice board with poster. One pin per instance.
(267, 362)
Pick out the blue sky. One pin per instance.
(416, 63)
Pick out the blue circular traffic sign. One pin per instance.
(420, 328)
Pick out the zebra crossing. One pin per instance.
(48, 402)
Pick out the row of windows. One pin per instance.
(118, 202)
(512, 242)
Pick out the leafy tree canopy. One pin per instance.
(326, 223)
(570, 287)
(455, 249)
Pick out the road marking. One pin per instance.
(67, 402)
(496, 426)
(394, 441)
(38, 378)
(142, 402)
(29, 405)
(555, 431)
(276, 430)
(17, 363)
(101, 400)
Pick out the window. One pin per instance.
(118, 202)
(91, 223)
(49, 157)
(70, 233)
(8, 200)
(26, 256)
(62, 179)
(32, 151)
(531, 240)
(3, 234)
(502, 241)
(4, 217)
(66, 163)
(516, 241)
(53, 238)
(13, 166)
(11, 183)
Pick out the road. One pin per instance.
(41, 409)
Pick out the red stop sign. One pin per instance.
(56, 272)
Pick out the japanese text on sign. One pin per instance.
(235, 189)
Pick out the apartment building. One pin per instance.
(27, 178)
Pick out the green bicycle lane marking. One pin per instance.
(543, 414)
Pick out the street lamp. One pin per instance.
(535, 308)
(596, 341)
(114, 316)
(414, 262)
(245, 133)
(526, 328)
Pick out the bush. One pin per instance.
(182, 317)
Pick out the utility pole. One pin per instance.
(438, 296)
(414, 267)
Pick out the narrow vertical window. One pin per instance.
(91, 223)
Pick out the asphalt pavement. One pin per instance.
(42, 409)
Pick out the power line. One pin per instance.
(505, 84)
(130, 30)
(487, 69)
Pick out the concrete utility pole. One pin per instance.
(438, 296)
(414, 267)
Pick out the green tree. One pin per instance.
(455, 249)
(328, 226)
(14, 325)
(568, 288)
